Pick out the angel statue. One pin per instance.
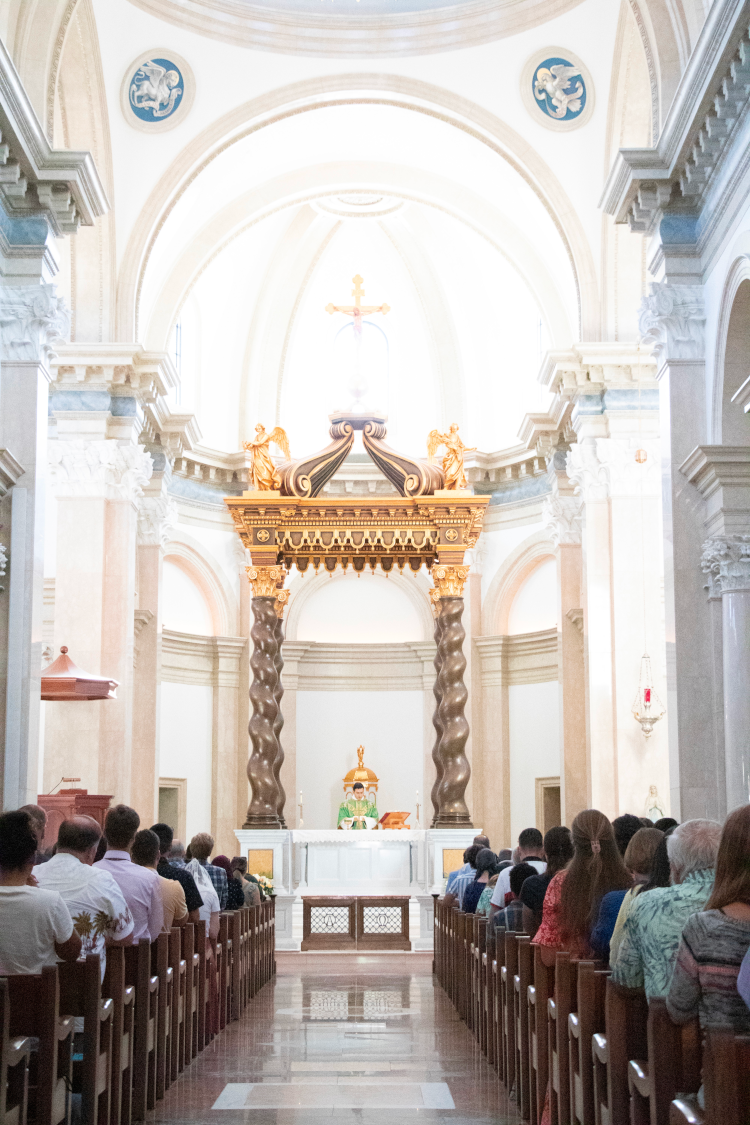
(552, 84)
(265, 475)
(453, 462)
(155, 88)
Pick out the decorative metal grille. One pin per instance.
(381, 920)
(329, 920)
(329, 1005)
(376, 1004)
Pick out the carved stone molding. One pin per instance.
(587, 472)
(562, 517)
(32, 319)
(450, 580)
(264, 580)
(10, 471)
(726, 561)
(672, 319)
(99, 469)
(3, 563)
(157, 515)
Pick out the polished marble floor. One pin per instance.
(364, 1038)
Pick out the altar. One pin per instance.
(323, 863)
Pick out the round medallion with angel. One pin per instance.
(557, 88)
(157, 90)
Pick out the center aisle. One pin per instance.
(348, 1037)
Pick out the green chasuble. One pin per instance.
(357, 808)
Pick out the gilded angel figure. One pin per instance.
(453, 461)
(265, 475)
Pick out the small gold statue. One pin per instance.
(453, 462)
(265, 475)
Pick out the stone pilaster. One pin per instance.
(32, 318)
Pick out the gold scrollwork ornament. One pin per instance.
(451, 535)
(282, 597)
(434, 600)
(450, 580)
(264, 580)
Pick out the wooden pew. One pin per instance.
(582, 1025)
(81, 997)
(123, 1020)
(625, 1038)
(540, 993)
(225, 972)
(35, 1013)
(508, 972)
(559, 1008)
(485, 970)
(179, 975)
(15, 1054)
(673, 1066)
(726, 1073)
(138, 974)
(499, 1018)
(480, 950)
(192, 965)
(521, 982)
(161, 968)
(238, 1002)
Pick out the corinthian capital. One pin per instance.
(450, 580)
(726, 561)
(99, 469)
(562, 518)
(265, 580)
(157, 515)
(672, 318)
(32, 319)
(587, 472)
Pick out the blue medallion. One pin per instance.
(156, 90)
(559, 89)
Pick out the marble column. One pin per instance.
(293, 655)
(227, 746)
(672, 319)
(97, 485)
(726, 560)
(157, 514)
(32, 317)
(495, 737)
(453, 811)
(563, 515)
(437, 762)
(282, 597)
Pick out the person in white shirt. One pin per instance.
(35, 924)
(100, 914)
(530, 850)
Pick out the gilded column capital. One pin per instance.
(450, 580)
(434, 594)
(264, 580)
(282, 597)
(726, 561)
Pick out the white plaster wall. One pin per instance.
(533, 711)
(368, 610)
(535, 605)
(185, 748)
(184, 608)
(330, 727)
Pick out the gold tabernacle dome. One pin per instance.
(361, 773)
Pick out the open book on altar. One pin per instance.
(394, 820)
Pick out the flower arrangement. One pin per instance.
(265, 882)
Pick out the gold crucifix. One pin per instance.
(358, 310)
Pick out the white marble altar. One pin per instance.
(329, 862)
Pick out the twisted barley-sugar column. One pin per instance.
(263, 810)
(452, 809)
(278, 691)
(436, 718)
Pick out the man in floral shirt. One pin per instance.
(100, 914)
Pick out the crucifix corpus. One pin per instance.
(357, 384)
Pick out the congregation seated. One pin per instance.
(201, 847)
(36, 929)
(615, 906)
(716, 940)
(530, 850)
(511, 916)
(652, 931)
(235, 893)
(571, 904)
(145, 852)
(251, 889)
(458, 880)
(100, 914)
(38, 819)
(484, 865)
(625, 828)
(200, 870)
(558, 851)
(140, 888)
(168, 869)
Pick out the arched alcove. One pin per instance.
(184, 606)
(735, 427)
(534, 606)
(366, 610)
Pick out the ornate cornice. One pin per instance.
(99, 469)
(32, 320)
(726, 561)
(672, 319)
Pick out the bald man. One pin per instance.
(100, 914)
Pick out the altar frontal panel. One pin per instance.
(367, 922)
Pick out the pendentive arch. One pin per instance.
(383, 89)
(202, 569)
(513, 572)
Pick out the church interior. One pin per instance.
(375, 459)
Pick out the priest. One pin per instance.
(356, 808)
